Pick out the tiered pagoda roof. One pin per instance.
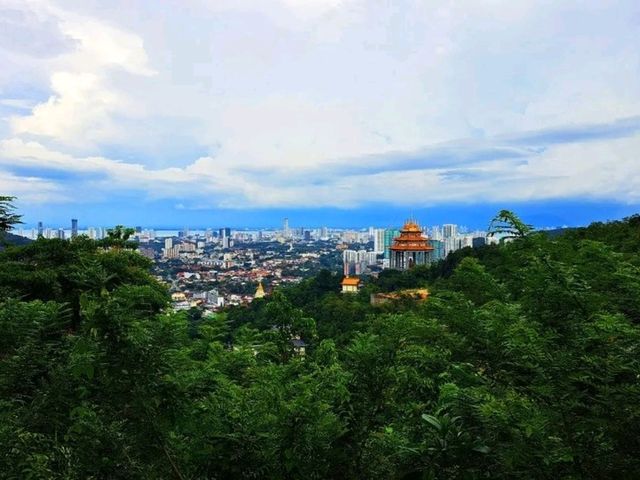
(411, 239)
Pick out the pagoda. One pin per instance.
(410, 248)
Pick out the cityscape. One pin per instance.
(212, 268)
(319, 239)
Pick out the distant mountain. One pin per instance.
(555, 232)
(13, 239)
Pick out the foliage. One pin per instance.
(508, 225)
(8, 217)
(523, 363)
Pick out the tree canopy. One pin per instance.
(524, 362)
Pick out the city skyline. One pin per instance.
(540, 215)
(342, 109)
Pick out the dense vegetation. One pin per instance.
(523, 363)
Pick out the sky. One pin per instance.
(330, 112)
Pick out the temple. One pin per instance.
(410, 248)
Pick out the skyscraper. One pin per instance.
(378, 240)
(449, 230)
(438, 252)
(285, 228)
(449, 236)
(389, 235)
(40, 229)
(74, 227)
(224, 235)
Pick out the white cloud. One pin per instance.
(273, 94)
(603, 169)
(84, 101)
(31, 189)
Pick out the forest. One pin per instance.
(524, 362)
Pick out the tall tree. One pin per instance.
(509, 225)
(7, 216)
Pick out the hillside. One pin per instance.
(523, 363)
(16, 240)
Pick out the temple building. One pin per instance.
(410, 248)
(350, 284)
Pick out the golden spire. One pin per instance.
(260, 290)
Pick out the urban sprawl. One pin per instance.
(212, 268)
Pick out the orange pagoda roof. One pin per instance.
(411, 239)
(351, 281)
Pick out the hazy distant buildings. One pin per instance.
(74, 227)
(356, 262)
(479, 241)
(170, 250)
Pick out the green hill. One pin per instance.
(15, 240)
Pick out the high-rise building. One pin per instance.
(479, 241)
(465, 241)
(285, 228)
(324, 233)
(349, 259)
(450, 245)
(378, 240)
(168, 243)
(61, 233)
(389, 235)
(74, 227)
(449, 230)
(40, 229)
(438, 252)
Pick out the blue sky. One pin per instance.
(338, 112)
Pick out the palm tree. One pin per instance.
(118, 237)
(508, 225)
(7, 218)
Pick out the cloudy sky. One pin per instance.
(196, 112)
